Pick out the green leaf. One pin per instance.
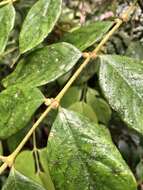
(73, 95)
(81, 155)
(45, 176)
(38, 23)
(87, 35)
(85, 110)
(7, 18)
(89, 71)
(44, 179)
(29, 170)
(100, 107)
(17, 105)
(17, 181)
(17, 137)
(121, 79)
(44, 65)
(64, 78)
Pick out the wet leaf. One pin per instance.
(17, 107)
(44, 65)
(39, 22)
(121, 79)
(81, 155)
(87, 35)
(7, 18)
(17, 181)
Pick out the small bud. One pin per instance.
(55, 104)
(85, 54)
(93, 55)
(48, 101)
(125, 17)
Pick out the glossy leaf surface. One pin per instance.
(86, 36)
(121, 79)
(17, 181)
(17, 107)
(7, 18)
(39, 22)
(81, 155)
(44, 65)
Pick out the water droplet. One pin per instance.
(16, 95)
(62, 66)
(57, 59)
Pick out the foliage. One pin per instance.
(73, 147)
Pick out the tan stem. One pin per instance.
(6, 2)
(3, 167)
(30, 132)
(72, 79)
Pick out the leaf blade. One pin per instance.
(100, 107)
(39, 22)
(121, 82)
(94, 31)
(76, 145)
(18, 181)
(44, 65)
(41, 177)
(17, 108)
(7, 18)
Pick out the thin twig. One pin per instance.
(3, 167)
(8, 52)
(6, 2)
(35, 151)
